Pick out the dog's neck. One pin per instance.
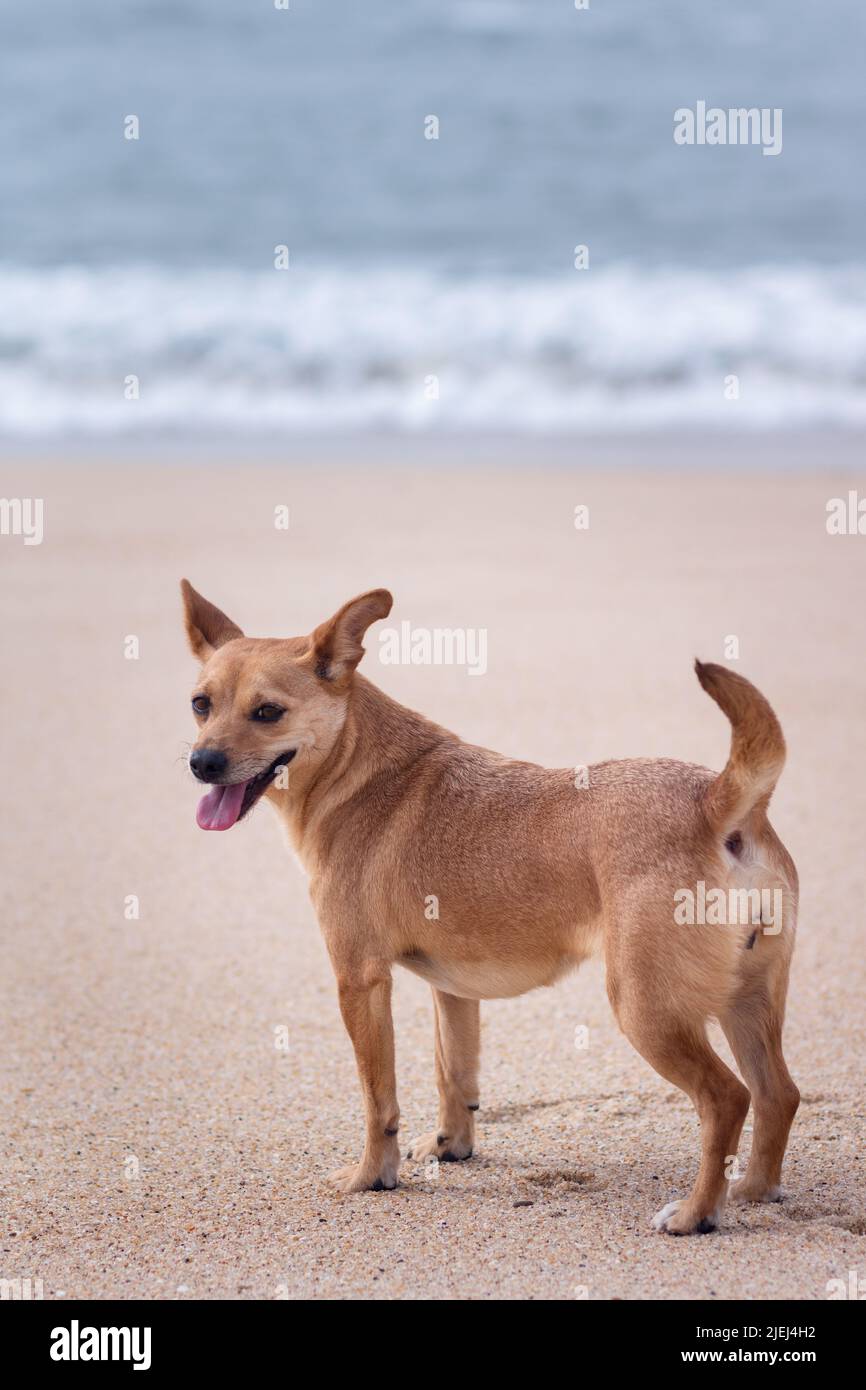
(379, 738)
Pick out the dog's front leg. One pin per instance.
(458, 1047)
(365, 1003)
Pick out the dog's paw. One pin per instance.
(448, 1148)
(359, 1178)
(743, 1191)
(678, 1219)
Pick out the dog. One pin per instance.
(488, 877)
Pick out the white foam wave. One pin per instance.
(316, 349)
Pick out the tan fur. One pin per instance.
(388, 811)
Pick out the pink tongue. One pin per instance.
(220, 807)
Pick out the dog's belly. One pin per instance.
(493, 979)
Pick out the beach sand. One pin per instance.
(157, 1139)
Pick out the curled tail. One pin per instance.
(757, 749)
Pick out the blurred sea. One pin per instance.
(412, 259)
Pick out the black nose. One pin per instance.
(208, 764)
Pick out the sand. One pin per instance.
(177, 1085)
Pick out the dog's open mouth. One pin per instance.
(222, 806)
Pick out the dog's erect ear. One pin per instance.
(206, 627)
(336, 646)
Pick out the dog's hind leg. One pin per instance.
(753, 1027)
(458, 1048)
(680, 1053)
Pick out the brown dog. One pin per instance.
(489, 877)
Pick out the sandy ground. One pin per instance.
(156, 1140)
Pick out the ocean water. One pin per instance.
(431, 284)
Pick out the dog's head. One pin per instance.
(263, 703)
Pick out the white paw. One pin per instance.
(660, 1219)
(681, 1219)
(447, 1148)
(358, 1177)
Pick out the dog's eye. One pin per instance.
(267, 714)
(201, 704)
